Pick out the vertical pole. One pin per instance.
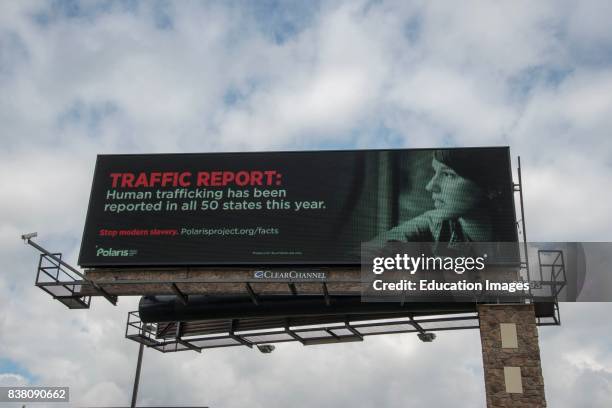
(523, 219)
(137, 379)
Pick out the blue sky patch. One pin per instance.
(8, 366)
(13, 51)
(60, 10)
(413, 28)
(525, 81)
(281, 20)
(90, 115)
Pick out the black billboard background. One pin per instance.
(365, 193)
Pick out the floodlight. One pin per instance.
(148, 327)
(266, 348)
(31, 235)
(426, 337)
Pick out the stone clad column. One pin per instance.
(511, 356)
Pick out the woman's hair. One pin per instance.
(489, 169)
(477, 165)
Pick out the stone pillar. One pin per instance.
(511, 356)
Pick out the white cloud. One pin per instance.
(12, 380)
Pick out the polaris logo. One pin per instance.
(113, 252)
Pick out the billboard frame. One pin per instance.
(112, 265)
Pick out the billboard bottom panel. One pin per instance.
(171, 309)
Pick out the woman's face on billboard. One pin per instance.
(454, 196)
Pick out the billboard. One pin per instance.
(291, 208)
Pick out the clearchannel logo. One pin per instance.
(312, 275)
(113, 252)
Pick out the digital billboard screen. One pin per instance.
(291, 208)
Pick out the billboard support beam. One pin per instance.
(416, 325)
(326, 294)
(189, 345)
(511, 355)
(522, 209)
(350, 328)
(163, 331)
(179, 335)
(519, 188)
(252, 294)
(179, 295)
(238, 338)
(292, 333)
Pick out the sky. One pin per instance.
(79, 79)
